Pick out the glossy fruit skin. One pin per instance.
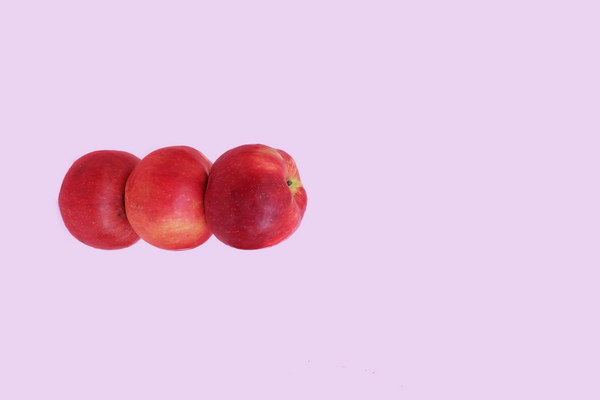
(91, 199)
(254, 198)
(164, 198)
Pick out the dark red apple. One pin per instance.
(164, 198)
(254, 198)
(91, 199)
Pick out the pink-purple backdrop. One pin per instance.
(450, 246)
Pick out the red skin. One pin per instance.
(91, 199)
(248, 202)
(164, 198)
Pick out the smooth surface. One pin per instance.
(254, 197)
(91, 199)
(164, 198)
(450, 247)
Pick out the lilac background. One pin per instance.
(450, 246)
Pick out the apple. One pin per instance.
(254, 198)
(91, 199)
(164, 198)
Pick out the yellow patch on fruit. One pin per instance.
(294, 184)
(171, 228)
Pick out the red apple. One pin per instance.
(91, 199)
(254, 198)
(164, 198)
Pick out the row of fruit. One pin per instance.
(175, 198)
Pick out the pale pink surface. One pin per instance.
(450, 246)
